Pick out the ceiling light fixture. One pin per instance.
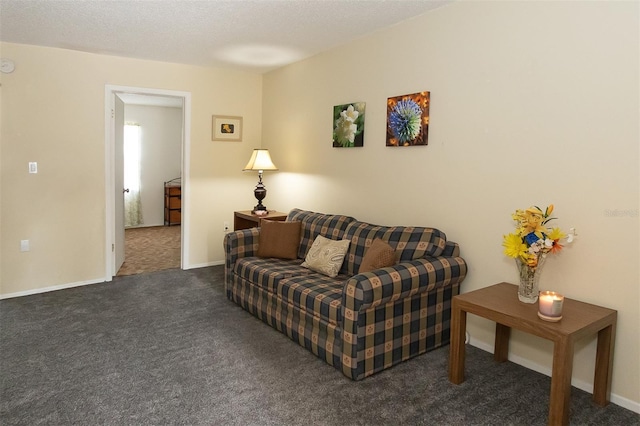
(260, 55)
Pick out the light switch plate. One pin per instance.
(33, 167)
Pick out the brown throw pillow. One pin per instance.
(279, 239)
(379, 255)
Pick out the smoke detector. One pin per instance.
(7, 66)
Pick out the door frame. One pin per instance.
(109, 137)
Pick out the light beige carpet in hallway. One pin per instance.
(151, 249)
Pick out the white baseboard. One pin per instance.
(582, 385)
(52, 288)
(204, 265)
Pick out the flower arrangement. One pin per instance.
(408, 119)
(531, 239)
(529, 245)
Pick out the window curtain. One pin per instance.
(132, 201)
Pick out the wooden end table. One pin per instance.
(500, 303)
(245, 219)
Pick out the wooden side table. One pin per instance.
(245, 219)
(500, 303)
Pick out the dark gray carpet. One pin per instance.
(167, 348)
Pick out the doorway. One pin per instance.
(117, 99)
(150, 249)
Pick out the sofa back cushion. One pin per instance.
(410, 242)
(313, 224)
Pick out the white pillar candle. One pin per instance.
(550, 305)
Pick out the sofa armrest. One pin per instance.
(375, 288)
(239, 244)
(451, 249)
(390, 314)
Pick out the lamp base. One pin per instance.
(260, 193)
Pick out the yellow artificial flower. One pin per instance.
(531, 260)
(556, 234)
(533, 222)
(514, 246)
(517, 216)
(549, 211)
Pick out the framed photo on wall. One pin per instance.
(226, 128)
(408, 119)
(348, 125)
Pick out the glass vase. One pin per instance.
(528, 287)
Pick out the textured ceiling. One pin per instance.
(256, 35)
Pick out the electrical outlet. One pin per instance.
(24, 245)
(226, 227)
(33, 167)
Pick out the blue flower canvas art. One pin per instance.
(408, 120)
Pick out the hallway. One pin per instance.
(151, 249)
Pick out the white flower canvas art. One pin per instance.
(348, 125)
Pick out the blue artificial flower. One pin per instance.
(531, 238)
(405, 119)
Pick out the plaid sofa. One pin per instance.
(359, 323)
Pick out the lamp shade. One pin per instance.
(260, 160)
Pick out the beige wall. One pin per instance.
(53, 112)
(532, 103)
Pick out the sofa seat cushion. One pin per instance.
(317, 294)
(266, 272)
